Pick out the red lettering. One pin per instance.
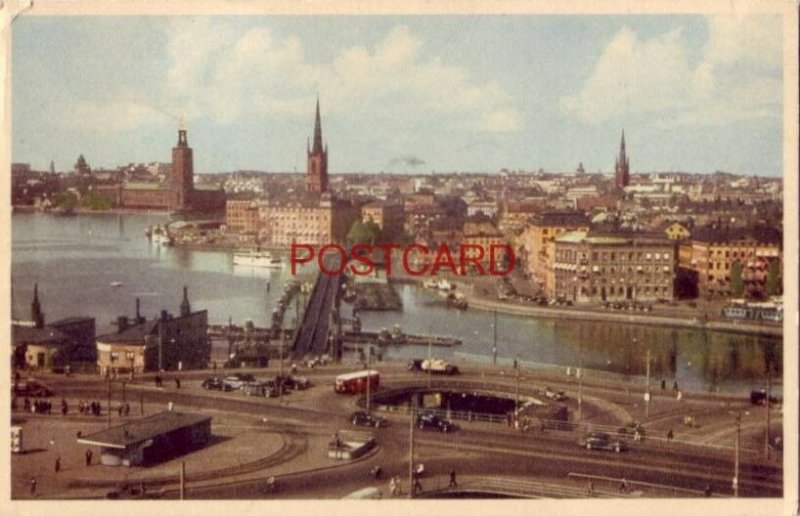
(364, 258)
(321, 259)
(510, 258)
(474, 260)
(407, 265)
(295, 259)
(443, 258)
(387, 255)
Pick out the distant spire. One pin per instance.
(36, 308)
(622, 157)
(186, 308)
(317, 148)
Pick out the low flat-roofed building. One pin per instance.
(151, 439)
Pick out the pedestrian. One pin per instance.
(417, 488)
(623, 486)
(591, 488)
(57, 466)
(33, 485)
(214, 365)
(453, 482)
(670, 435)
(177, 383)
(679, 396)
(663, 384)
(64, 407)
(392, 486)
(88, 455)
(675, 386)
(707, 491)
(509, 418)
(637, 436)
(52, 441)
(80, 406)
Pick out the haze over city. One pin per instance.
(403, 94)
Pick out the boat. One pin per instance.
(430, 283)
(116, 284)
(256, 258)
(444, 285)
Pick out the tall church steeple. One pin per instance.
(186, 308)
(622, 168)
(317, 174)
(36, 308)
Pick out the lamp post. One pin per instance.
(580, 382)
(647, 391)
(494, 340)
(516, 400)
(736, 454)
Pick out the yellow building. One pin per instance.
(677, 231)
(712, 252)
(537, 239)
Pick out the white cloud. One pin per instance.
(733, 81)
(227, 76)
(111, 116)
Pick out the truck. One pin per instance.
(356, 383)
(439, 366)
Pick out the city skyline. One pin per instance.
(403, 94)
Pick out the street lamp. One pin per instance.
(647, 391)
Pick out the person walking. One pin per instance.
(177, 383)
(453, 482)
(88, 455)
(33, 485)
(392, 486)
(57, 466)
(663, 384)
(670, 435)
(417, 488)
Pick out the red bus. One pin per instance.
(355, 383)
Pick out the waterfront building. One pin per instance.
(66, 342)
(622, 168)
(485, 235)
(314, 217)
(593, 268)
(177, 194)
(541, 231)
(714, 254)
(165, 343)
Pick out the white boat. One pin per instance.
(256, 258)
(444, 284)
(116, 284)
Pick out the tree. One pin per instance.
(773, 283)
(363, 232)
(737, 283)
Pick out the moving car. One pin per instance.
(553, 395)
(759, 397)
(428, 420)
(215, 384)
(361, 418)
(237, 381)
(601, 441)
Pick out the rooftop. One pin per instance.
(140, 430)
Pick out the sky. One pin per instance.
(414, 94)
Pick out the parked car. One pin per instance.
(291, 381)
(429, 420)
(215, 384)
(361, 418)
(631, 429)
(259, 389)
(415, 364)
(34, 389)
(601, 441)
(237, 381)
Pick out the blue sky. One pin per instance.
(469, 93)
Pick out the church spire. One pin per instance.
(186, 308)
(622, 156)
(317, 148)
(36, 308)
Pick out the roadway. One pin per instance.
(312, 338)
(477, 449)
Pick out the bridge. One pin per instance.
(321, 316)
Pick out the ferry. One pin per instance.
(256, 258)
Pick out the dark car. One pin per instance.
(361, 418)
(290, 381)
(415, 364)
(33, 388)
(215, 384)
(601, 441)
(432, 421)
(759, 397)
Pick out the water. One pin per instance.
(75, 260)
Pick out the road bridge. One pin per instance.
(321, 315)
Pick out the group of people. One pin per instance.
(38, 406)
(124, 410)
(94, 408)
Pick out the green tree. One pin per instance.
(737, 283)
(363, 232)
(773, 285)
